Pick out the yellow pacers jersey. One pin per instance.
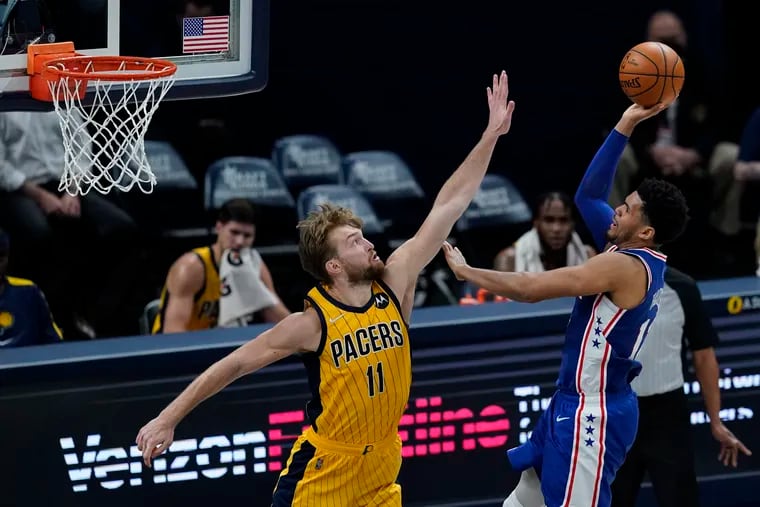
(205, 301)
(361, 374)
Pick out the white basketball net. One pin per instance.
(105, 142)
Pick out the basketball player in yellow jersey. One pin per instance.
(354, 341)
(190, 297)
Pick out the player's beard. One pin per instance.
(368, 274)
(619, 236)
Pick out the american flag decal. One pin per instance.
(204, 35)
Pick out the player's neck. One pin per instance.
(633, 244)
(352, 294)
(216, 250)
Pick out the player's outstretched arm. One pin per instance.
(603, 273)
(405, 264)
(298, 332)
(594, 190)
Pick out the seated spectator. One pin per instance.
(551, 243)
(748, 164)
(196, 285)
(84, 280)
(747, 173)
(682, 146)
(24, 314)
(201, 8)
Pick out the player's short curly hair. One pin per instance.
(314, 249)
(664, 208)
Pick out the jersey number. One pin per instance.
(644, 331)
(371, 372)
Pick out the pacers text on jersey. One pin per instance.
(366, 340)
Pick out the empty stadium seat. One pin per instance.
(347, 197)
(307, 160)
(495, 218)
(389, 185)
(145, 323)
(175, 203)
(170, 169)
(255, 179)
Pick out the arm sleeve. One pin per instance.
(594, 190)
(698, 328)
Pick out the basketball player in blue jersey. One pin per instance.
(582, 438)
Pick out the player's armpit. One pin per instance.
(398, 274)
(451, 202)
(407, 302)
(298, 332)
(407, 261)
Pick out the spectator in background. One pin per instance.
(191, 296)
(201, 8)
(24, 314)
(551, 243)
(681, 146)
(663, 447)
(84, 279)
(747, 174)
(748, 164)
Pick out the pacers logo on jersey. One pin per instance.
(381, 300)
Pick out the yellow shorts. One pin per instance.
(323, 472)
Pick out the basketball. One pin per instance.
(651, 72)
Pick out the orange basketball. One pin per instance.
(651, 72)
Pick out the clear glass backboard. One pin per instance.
(221, 47)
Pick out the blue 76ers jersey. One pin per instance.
(602, 340)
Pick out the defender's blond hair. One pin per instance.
(314, 249)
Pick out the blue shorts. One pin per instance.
(578, 445)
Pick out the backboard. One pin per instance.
(221, 47)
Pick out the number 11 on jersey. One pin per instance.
(372, 372)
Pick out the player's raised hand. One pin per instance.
(454, 258)
(636, 113)
(154, 438)
(500, 118)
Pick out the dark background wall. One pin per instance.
(411, 77)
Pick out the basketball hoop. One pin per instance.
(103, 133)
